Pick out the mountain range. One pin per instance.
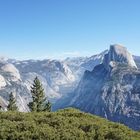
(58, 77)
(106, 84)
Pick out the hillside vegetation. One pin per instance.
(67, 124)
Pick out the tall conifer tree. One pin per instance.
(39, 101)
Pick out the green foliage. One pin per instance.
(12, 103)
(39, 102)
(67, 124)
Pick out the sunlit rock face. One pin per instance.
(13, 72)
(2, 82)
(118, 54)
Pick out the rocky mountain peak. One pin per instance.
(118, 54)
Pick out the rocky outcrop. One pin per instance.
(12, 71)
(118, 54)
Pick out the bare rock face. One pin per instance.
(12, 71)
(118, 54)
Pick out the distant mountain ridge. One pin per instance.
(58, 77)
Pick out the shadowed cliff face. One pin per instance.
(112, 89)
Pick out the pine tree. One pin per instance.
(39, 102)
(12, 103)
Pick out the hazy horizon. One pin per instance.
(33, 29)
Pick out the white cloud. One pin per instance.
(64, 55)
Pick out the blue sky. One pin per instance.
(59, 28)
